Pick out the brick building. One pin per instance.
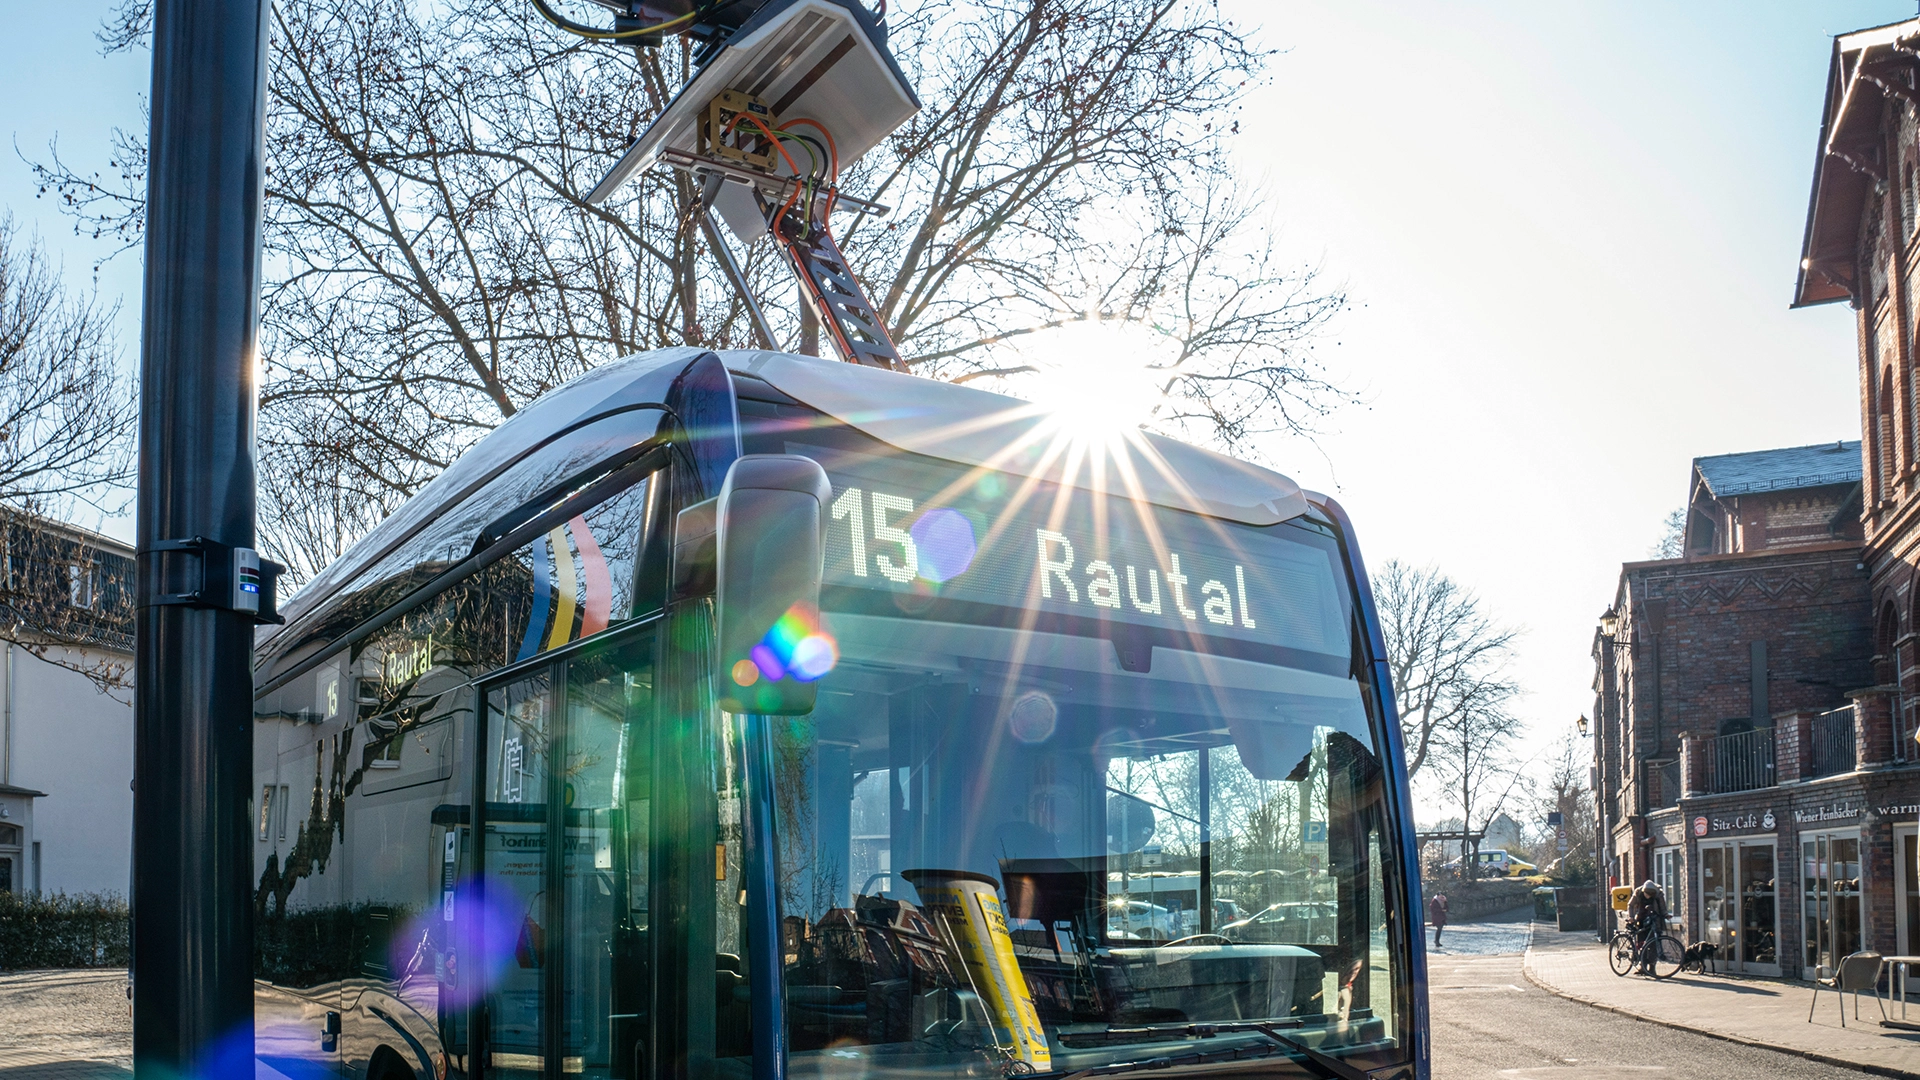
(1721, 683)
(1774, 499)
(1860, 247)
(1758, 698)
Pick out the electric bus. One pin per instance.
(530, 807)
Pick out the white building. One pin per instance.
(66, 710)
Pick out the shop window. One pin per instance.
(1666, 874)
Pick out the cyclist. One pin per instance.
(1647, 918)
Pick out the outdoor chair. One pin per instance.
(1858, 971)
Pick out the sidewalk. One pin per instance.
(1770, 1013)
(65, 1025)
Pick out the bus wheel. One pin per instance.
(388, 1065)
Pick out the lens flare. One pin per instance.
(797, 645)
(1033, 718)
(746, 673)
(946, 543)
(468, 941)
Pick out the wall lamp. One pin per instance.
(1582, 725)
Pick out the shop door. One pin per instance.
(1739, 906)
(1906, 857)
(565, 815)
(1830, 900)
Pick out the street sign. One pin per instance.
(1316, 832)
(1554, 818)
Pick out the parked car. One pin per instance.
(1496, 861)
(1137, 920)
(1289, 922)
(1187, 921)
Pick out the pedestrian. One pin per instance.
(1647, 918)
(1437, 915)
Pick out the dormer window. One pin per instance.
(81, 582)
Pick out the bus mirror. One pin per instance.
(693, 539)
(770, 542)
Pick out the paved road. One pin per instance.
(65, 1025)
(1489, 1022)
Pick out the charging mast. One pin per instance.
(199, 583)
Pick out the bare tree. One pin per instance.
(1564, 791)
(66, 415)
(1069, 166)
(67, 599)
(1474, 764)
(1446, 656)
(432, 265)
(67, 420)
(1673, 536)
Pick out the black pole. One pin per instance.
(193, 748)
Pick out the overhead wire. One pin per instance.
(599, 34)
(833, 153)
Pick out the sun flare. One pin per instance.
(1095, 380)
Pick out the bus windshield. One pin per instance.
(1090, 783)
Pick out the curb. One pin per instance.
(1526, 969)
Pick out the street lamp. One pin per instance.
(1609, 622)
(1582, 725)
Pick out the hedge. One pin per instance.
(62, 931)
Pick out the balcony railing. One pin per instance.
(1740, 762)
(1832, 750)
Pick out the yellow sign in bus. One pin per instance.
(969, 903)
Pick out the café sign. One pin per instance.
(1746, 822)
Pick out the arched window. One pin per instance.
(9, 836)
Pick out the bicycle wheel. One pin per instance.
(1620, 953)
(1667, 957)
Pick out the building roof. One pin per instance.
(1866, 66)
(1780, 470)
(9, 789)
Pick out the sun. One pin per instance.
(1095, 380)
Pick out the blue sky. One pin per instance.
(1570, 233)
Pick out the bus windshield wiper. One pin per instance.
(1322, 1064)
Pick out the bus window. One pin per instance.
(363, 581)
(567, 795)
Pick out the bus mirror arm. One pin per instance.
(694, 538)
(769, 548)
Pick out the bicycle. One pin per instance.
(1627, 947)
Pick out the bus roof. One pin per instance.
(916, 414)
(975, 427)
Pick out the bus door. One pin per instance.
(558, 942)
